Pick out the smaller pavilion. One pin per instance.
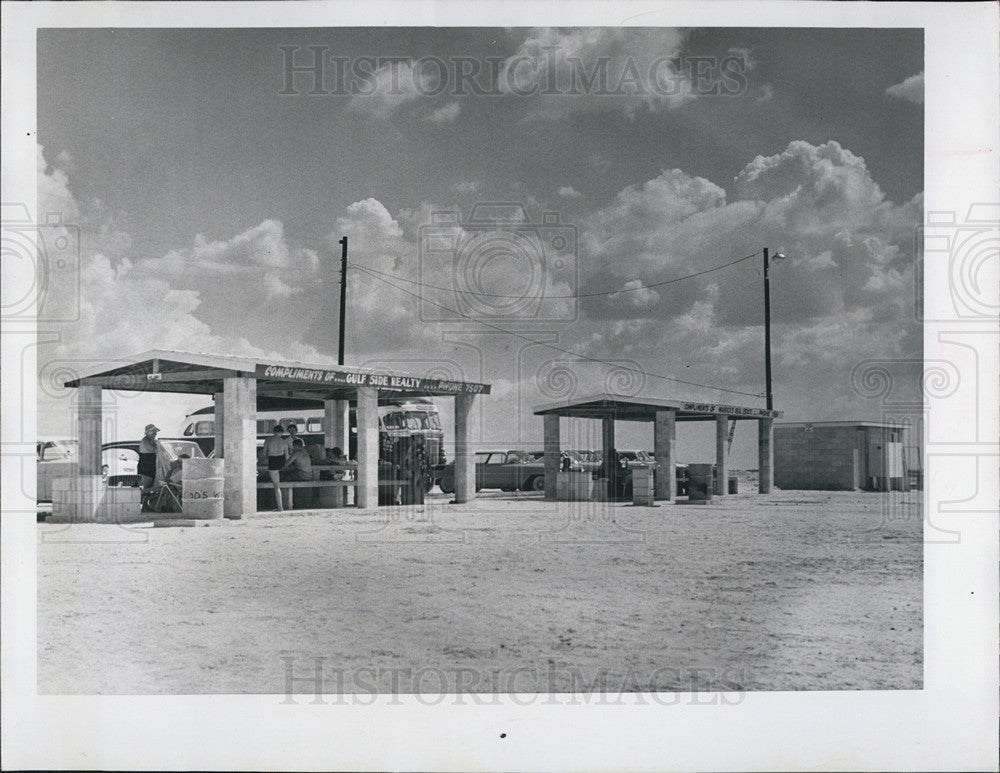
(664, 414)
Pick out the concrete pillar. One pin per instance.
(342, 426)
(220, 424)
(335, 424)
(366, 493)
(465, 458)
(550, 423)
(722, 455)
(88, 425)
(765, 454)
(664, 449)
(607, 437)
(240, 449)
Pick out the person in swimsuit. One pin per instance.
(276, 451)
(147, 458)
(299, 466)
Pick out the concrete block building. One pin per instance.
(840, 456)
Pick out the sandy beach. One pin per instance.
(793, 591)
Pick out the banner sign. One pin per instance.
(731, 410)
(380, 380)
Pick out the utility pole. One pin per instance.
(767, 330)
(343, 302)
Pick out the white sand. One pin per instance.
(798, 590)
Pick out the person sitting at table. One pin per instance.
(299, 465)
(176, 475)
(316, 453)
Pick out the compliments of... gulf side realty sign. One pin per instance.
(380, 380)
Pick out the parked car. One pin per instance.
(505, 470)
(58, 459)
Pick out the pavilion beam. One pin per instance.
(552, 453)
(366, 493)
(722, 454)
(665, 453)
(193, 375)
(240, 450)
(765, 455)
(465, 460)
(88, 422)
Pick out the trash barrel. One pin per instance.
(642, 486)
(202, 488)
(734, 484)
(700, 481)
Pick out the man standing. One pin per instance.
(147, 458)
(276, 451)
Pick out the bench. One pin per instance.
(317, 482)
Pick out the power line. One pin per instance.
(553, 346)
(557, 297)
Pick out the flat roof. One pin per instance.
(603, 405)
(161, 370)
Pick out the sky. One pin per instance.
(209, 175)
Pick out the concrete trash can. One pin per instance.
(642, 486)
(202, 488)
(700, 482)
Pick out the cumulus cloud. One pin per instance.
(598, 69)
(910, 90)
(850, 265)
(392, 86)
(569, 192)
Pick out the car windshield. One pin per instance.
(175, 448)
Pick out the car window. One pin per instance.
(494, 459)
(314, 425)
(204, 428)
(124, 455)
(266, 426)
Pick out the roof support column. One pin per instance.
(664, 451)
(765, 454)
(88, 424)
(239, 410)
(721, 455)
(550, 423)
(220, 424)
(465, 460)
(607, 437)
(366, 493)
(335, 424)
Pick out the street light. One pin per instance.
(778, 257)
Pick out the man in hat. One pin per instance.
(147, 458)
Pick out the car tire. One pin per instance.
(447, 485)
(535, 483)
